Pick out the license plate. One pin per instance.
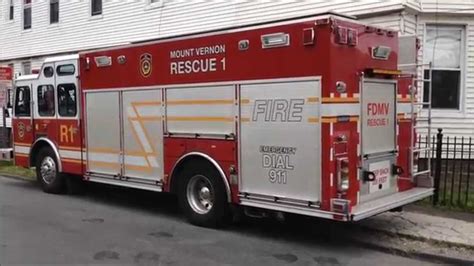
(382, 176)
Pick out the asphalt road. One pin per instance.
(120, 226)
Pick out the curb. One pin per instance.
(415, 254)
(419, 238)
(17, 177)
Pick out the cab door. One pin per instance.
(22, 123)
(44, 104)
(68, 123)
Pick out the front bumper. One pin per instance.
(387, 203)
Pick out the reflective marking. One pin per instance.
(313, 120)
(104, 157)
(70, 154)
(70, 148)
(23, 144)
(21, 154)
(312, 99)
(146, 103)
(404, 108)
(201, 118)
(22, 149)
(116, 166)
(142, 137)
(200, 102)
(147, 110)
(340, 109)
(244, 101)
(245, 119)
(339, 100)
(331, 184)
(73, 161)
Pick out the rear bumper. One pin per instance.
(377, 206)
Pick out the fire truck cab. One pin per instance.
(306, 116)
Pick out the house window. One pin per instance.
(53, 11)
(444, 49)
(96, 7)
(26, 14)
(26, 68)
(11, 10)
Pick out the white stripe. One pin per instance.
(340, 109)
(145, 111)
(153, 161)
(403, 108)
(70, 154)
(22, 149)
(131, 112)
(135, 160)
(103, 157)
(141, 136)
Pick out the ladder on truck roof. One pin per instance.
(419, 106)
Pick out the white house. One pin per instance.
(31, 30)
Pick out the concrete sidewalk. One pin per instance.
(425, 227)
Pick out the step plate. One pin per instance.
(380, 205)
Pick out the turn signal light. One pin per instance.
(342, 174)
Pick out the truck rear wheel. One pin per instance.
(47, 173)
(202, 196)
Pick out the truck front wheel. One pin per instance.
(50, 179)
(202, 196)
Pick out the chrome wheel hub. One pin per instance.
(48, 170)
(200, 194)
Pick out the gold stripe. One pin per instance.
(244, 101)
(244, 119)
(146, 103)
(146, 118)
(313, 120)
(70, 148)
(312, 99)
(201, 118)
(203, 102)
(19, 154)
(104, 150)
(117, 165)
(328, 120)
(354, 119)
(340, 100)
(73, 161)
(22, 144)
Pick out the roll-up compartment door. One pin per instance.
(280, 140)
(143, 134)
(103, 133)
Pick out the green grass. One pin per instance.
(7, 168)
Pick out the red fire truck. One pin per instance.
(307, 116)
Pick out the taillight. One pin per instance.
(342, 174)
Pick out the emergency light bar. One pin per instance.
(275, 40)
(381, 52)
(103, 61)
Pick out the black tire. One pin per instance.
(51, 180)
(218, 215)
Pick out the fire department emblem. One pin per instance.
(21, 130)
(145, 65)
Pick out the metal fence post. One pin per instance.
(437, 172)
